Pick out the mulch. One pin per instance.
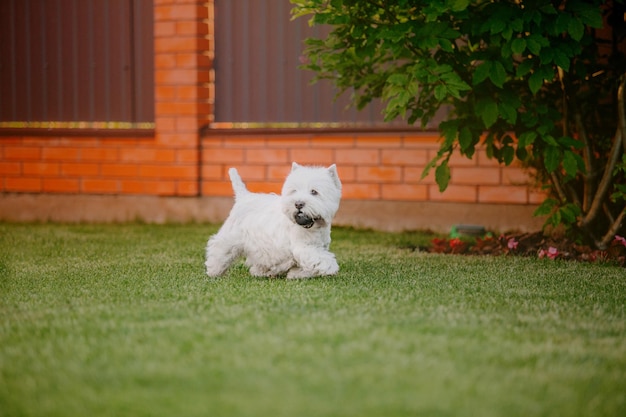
(535, 244)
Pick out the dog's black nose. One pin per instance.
(299, 205)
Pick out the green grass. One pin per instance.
(120, 320)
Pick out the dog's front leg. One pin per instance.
(312, 262)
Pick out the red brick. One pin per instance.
(290, 142)
(251, 173)
(245, 142)
(357, 156)
(537, 196)
(333, 141)
(187, 60)
(265, 187)
(23, 184)
(361, 191)
(61, 185)
(516, 176)
(187, 124)
(99, 154)
(414, 174)
(404, 157)
(10, 168)
(224, 156)
(346, 173)
(180, 12)
(148, 187)
(100, 186)
(120, 170)
(424, 140)
(181, 139)
(278, 172)
(61, 154)
(147, 155)
(217, 188)
(378, 174)
(187, 188)
(503, 194)
(175, 76)
(315, 156)
(475, 176)
(168, 171)
(266, 156)
(174, 45)
(213, 172)
(187, 156)
(454, 193)
(40, 168)
(80, 169)
(22, 153)
(176, 108)
(404, 192)
(165, 93)
(192, 93)
(191, 28)
(164, 28)
(379, 142)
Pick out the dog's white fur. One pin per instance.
(280, 234)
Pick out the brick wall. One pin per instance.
(163, 163)
(175, 161)
(371, 167)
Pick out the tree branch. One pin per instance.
(614, 155)
(590, 174)
(610, 234)
(558, 187)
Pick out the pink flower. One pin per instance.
(621, 240)
(512, 243)
(552, 252)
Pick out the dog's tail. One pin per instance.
(238, 186)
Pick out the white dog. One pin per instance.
(280, 234)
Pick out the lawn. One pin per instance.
(120, 320)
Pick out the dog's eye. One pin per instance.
(314, 192)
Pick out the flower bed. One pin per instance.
(531, 244)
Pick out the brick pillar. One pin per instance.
(182, 68)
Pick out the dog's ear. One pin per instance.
(332, 170)
(295, 166)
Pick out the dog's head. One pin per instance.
(311, 195)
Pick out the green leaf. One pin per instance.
(488, 111)
(508, 112)
(551, 158)
(569, 213)
(508, 154)
(440, 92)
(570, 163)
(481, 73)
(527, 138)
(561, 60)
(535, 81)
(442, 175)
(524, 67)
(497, 73)
(465, 138)
(398, 79)
(546, 207)
(576, 29)
(518, 45)
(459, 5)
(449, 130)
(569, 142)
